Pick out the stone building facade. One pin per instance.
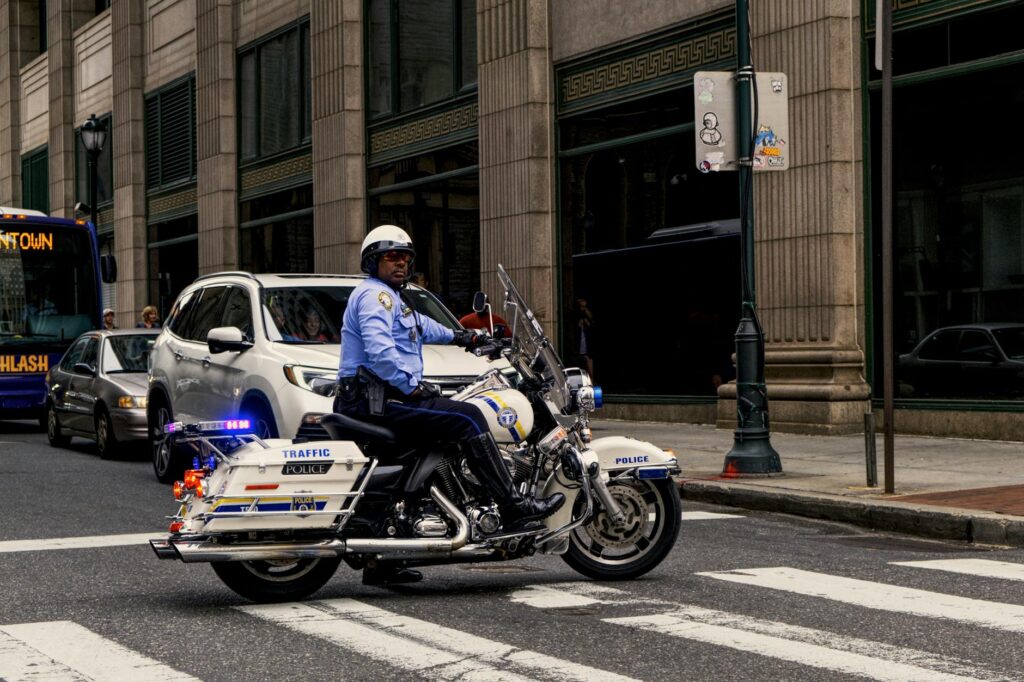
(555, 137)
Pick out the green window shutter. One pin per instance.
(35, 181)
(170, 135)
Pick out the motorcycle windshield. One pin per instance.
(529, 341)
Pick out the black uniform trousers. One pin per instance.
(415, 419)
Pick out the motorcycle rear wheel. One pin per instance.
(275, 581)
(603, 551)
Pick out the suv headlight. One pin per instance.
(303, 376)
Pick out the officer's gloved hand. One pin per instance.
(427, 390)
(469, 338)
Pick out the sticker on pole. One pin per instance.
(716, 122)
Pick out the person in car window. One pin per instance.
(382, 344)
(313, 328)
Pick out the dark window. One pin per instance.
(90, 353)
(971, 37)
(209, 312)
(942, 346)
(173, 258)
(177, 319)
(102, 6)
(420, 52)
(74, 355)
(643, 209)
(170, 135)
(443, 217)
(104, 167)
(958, 222)
(1011, 339)
(42, 26)
(35, 181)
(977, 346)
(238, 312)
(276, 232)
(274, 95)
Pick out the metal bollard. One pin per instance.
(869, 449)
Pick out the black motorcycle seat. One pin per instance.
(343, 427)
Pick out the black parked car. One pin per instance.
(970, 361)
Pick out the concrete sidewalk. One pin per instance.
(968, 490)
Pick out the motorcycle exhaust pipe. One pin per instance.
(413, 548)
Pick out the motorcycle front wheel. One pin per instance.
(602, 550)
(274, 581)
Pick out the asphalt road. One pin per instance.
(744, 596)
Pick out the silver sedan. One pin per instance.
(98, 390)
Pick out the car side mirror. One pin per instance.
(479, 302)
(221, 339)
(84, 368)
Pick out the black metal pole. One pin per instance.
(92, 187)
(752, 451)
(885, 35)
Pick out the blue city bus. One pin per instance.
(49, 294)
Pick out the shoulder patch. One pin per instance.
(385, 300)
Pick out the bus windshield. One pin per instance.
(48, 283)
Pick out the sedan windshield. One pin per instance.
(126, 353)
(314, 314)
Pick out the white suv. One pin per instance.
(242, 345)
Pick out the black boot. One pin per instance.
(389, 573)
(516, 509)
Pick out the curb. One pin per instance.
(946, 523)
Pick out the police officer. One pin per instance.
(382, 341)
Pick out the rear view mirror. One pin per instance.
(479, 302)
(108, 268)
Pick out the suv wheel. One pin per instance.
(262, 420)
(168, 462)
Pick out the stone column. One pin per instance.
(10, 104)
(216, 141)
(62, 18)
(128, 19)
(517, 182)
(809, 224)
(339, 159)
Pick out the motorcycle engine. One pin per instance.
(430, 526)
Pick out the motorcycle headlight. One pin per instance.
(303, 376)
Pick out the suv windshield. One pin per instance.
(313, 314)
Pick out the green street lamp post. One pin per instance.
(752, 452)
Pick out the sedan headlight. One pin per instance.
(303, 376)
(129, 401)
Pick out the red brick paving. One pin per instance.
(1005, 499)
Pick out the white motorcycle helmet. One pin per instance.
(382, 239)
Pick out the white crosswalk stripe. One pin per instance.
(984, 568)
(882, 596)
(85, 542)
(62, 651)
(429, 650)
(705, 516)
(797, 644)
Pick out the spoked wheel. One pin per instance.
(168, 463)
(606, 551)
(106, 441)
(272, 581)
(53, 433)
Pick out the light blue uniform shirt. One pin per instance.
(382, 333)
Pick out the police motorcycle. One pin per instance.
(275, 518)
